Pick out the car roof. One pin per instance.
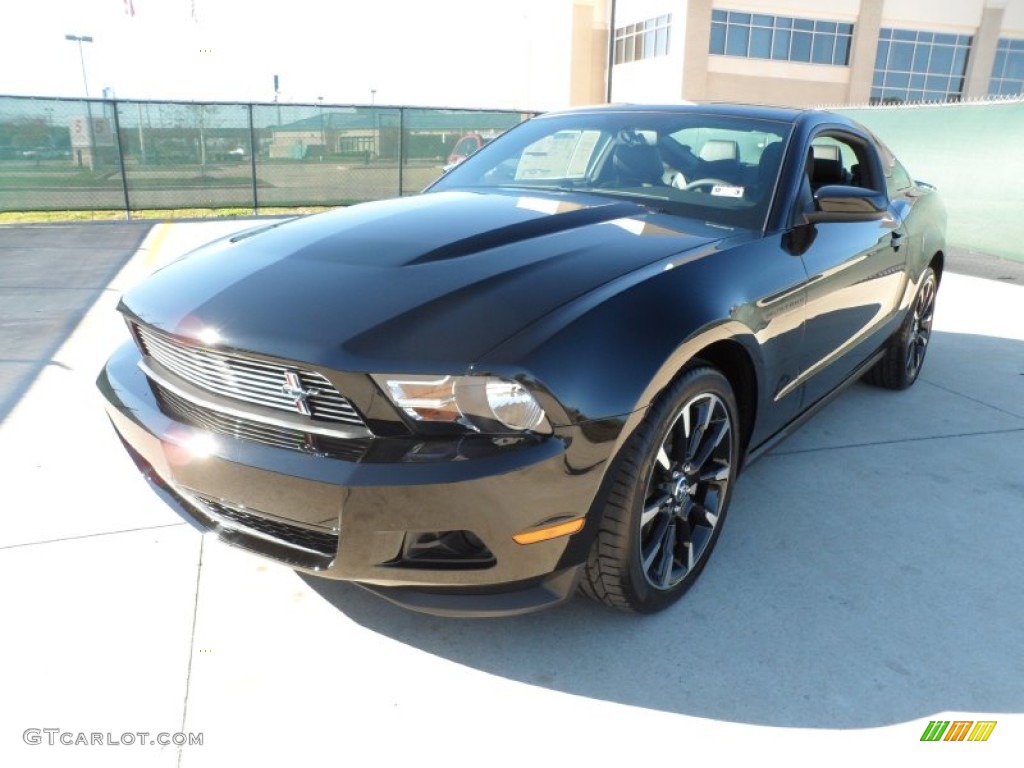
(782, 114)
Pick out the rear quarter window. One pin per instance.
(897, 180)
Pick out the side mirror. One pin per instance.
(840, 202)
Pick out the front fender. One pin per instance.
(610, 353)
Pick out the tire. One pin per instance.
(668, 497)
(905, 351)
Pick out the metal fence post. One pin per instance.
(401, 151)
(120, 161)
(252, 153)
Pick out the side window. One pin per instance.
(897, 180)
(839, 159)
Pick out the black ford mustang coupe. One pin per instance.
(544, 373)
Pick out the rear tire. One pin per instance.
(905, 350)
(669, 496)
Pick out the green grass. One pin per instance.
(52, 179)
(35, 217)
(113, 181)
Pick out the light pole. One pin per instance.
(611, 55)
(81, 55)
(277, 94)
(88, 105)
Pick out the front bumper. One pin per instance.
(354, 519)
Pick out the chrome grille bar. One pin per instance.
(182, 409)
(245, 378)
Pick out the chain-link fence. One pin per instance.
(66, 154)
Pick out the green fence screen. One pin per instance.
(974, 154)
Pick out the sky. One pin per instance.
(462, 53)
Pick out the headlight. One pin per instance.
(481, 403)
(513, 405)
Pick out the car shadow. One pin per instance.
(869, 574)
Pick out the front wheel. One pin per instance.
(669, 496)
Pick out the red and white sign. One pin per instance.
(102, 135)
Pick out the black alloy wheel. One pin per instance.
(922, 316)
(905, 351)
(669, 496)
(684, 495)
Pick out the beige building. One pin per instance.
(807, 52)
(588, 63)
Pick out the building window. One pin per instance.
(760, 36)
(1008, 70)
(911, 65)
(355, 145)
(643, 40)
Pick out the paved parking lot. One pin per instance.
(868, 581)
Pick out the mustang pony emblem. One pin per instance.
(293, 388)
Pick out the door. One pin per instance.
(855, 269)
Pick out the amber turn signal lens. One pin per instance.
(549, 532)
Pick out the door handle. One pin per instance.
(897, 240)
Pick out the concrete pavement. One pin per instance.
(868, 581)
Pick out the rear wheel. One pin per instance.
(669, 496)
(905, 350)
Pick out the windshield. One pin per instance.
(721, 169)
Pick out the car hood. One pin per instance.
(425, 283)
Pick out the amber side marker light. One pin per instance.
(549, 532)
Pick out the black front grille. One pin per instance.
(186, 412)
(319, 542)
